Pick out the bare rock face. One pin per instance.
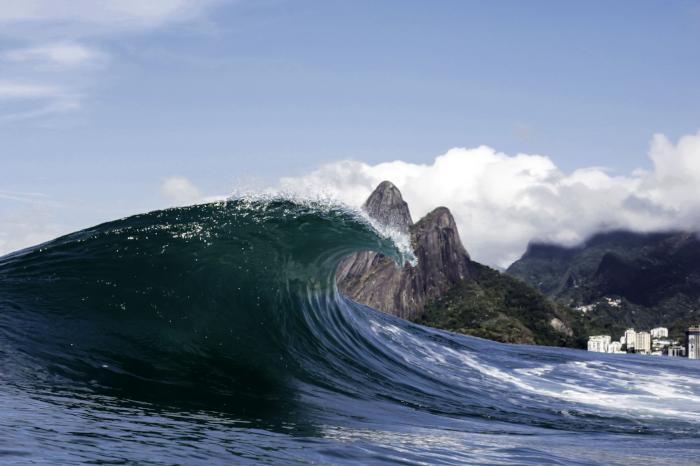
(386, 205)
(376, 281)
(441, 257)
(561, 327)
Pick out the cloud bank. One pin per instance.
(501, 201)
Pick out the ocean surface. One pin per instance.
(215, 334)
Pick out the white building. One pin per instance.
(675, 351)
(642, 342)
(612, 302)
(615, 347)
(693, 345)
(659, 332)
(662, 342)
(630, 338)
(599, 343)
(658, 344)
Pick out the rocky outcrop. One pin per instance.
(441, 256)
(386, 206)
(377, 281)
(446, 289)
(561, 327)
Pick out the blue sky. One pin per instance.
(99, 105)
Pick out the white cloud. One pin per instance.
(48, 110)
(30, 98)
(501, 202)
(27, 218)
(50, 34)
(60, 53)
(31, 101)
(22, 196)
(20, 233)
(178, 190)
(119, 14)
(20, 90)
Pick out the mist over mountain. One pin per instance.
(621, 279)
(502, 202)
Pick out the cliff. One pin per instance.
(376, 281)
(386, 205)
(446, 289)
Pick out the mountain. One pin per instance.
(376, 280)
(446, 289)
(621, 279)
(386, 205)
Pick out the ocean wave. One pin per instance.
(233, 307)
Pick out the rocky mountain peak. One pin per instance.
(376, 281)
(438, 247)
(445, 288)
(386, 205)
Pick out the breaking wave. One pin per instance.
(231, 311)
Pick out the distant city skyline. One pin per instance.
(655, 342)
(120, 107)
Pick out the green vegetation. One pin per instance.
(499, 307)
(623, 279)
(677, 314)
